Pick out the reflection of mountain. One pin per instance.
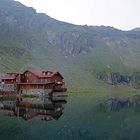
(32, 108)
(29, 40)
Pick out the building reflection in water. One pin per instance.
(38, 108)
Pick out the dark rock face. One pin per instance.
(116, 79)
(119, 79)
(136, 80)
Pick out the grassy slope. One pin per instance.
(46, 42)
(79, 72)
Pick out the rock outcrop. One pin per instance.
(120, 79)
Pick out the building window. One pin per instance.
(48, 73)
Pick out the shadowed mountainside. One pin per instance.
(35, 40)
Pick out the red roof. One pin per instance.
(9, 76)
(44, 74)
(38, 73)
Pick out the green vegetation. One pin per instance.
(29, 96)
(32, 40)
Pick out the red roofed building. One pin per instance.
(33, 76)
(33, 81)
(10, 78)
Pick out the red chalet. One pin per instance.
(33, 81)
(33, 76)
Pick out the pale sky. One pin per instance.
(122, 14)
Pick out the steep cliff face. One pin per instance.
(32, 40)
(120, 79)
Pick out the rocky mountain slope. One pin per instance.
(35, 40)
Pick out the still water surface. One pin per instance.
(71, 118)
(45, 118)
